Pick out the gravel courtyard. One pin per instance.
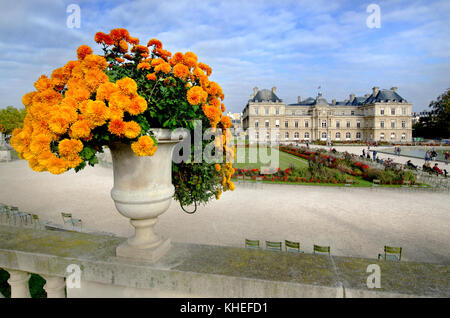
(353, 221)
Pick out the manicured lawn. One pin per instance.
(285, 160)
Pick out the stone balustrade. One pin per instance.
(190, 270)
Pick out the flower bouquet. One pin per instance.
(120, 97)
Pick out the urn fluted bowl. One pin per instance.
(142, 191)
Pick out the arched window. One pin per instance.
(338, 135)
(296, 135)
(348, 135)
(324, 135)
(286, 135)
(306, 135)
(358, 135)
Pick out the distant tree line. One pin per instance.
(11, 118)
(437, 124)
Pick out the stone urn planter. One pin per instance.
(142, 191)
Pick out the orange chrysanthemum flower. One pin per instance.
(226, 122)
(101, 37)
(127, 86)
(151, 76)
(96, 112)
(156, 43)
(123, 46)
(190, 59)
(132, 129)
(132, 40)
(80, 129)
(140, 49)
(196, 95)
(137, 106)
(119, 34)
(56, 165)
(206, 68)
(105, 90)
(176, 59)
(69, 148)
(43, 83)
(163, 67)
(119, 101)
(117, 127)
(94, 62)
(143, 66)
(144, 146)
(83, 51)
(40, 143)
(180, 71)
(94, 78)
(120, 60)
(27, 99)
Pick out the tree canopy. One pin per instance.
(437, 124)
(11, 118)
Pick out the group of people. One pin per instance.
(397, 151)
(367, 154)
(435, 169)
(430, 155)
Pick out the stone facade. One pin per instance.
(381, 116)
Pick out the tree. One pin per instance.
(11, 118)
(437, 124)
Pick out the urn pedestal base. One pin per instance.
(151, 254)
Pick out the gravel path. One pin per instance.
(354, 221)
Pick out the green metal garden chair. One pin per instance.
(391, 254)
(292, 246)
(68, 219)
(274, 246)
(321, 249)
(251, 243)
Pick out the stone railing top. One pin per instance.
(215, 271)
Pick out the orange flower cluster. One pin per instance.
(66, 107)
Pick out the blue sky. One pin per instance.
(293, 45)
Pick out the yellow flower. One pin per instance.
(94, 62)
(163, 67)
(96, 112)
(83, 51)
(27, 99)
(56, 165)
(80, 129)
(132, 129)
(217, 166)
(59, 123)
(69, 148)
(137, 106)
(180, 71)
(105, 90)
(144, 146)
(40, 143)
(196, 95)
(94, 78)
(127, 86)
(43, 83)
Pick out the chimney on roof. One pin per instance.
(255, 91)
(375, 90)
(299, 99)
(394, 89)
(333, 102)
(366, 95)
(274, 90)
(352, 97)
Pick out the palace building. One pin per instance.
(381, 116)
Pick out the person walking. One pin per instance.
(374, 156)
(446, 155)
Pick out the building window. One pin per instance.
(267, 124)
(267, 136)
(352, 113)
(338, 124)
(347, 136)
(267, 111)
(392, 123)
(403, 124)
(403, 136)
(338, 135)
(403, 111)
(392, 111)
(382, 111)
(257, 135)
(256, 110)
(358, 135)
(343, 113)
(382, 136)
(324, 124)
(296, 135)
(348, 124)
(392, 135)
(296, 124)
(306, 135)
(286, 135)
(358, 124)
(277, 111)
(286, 124)
(277, 123)
(382, 124)
(256, 123)
(306, 124)
(324, 135)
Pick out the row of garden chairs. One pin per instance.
(390, 253)
(289, 246)
(12, 213)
